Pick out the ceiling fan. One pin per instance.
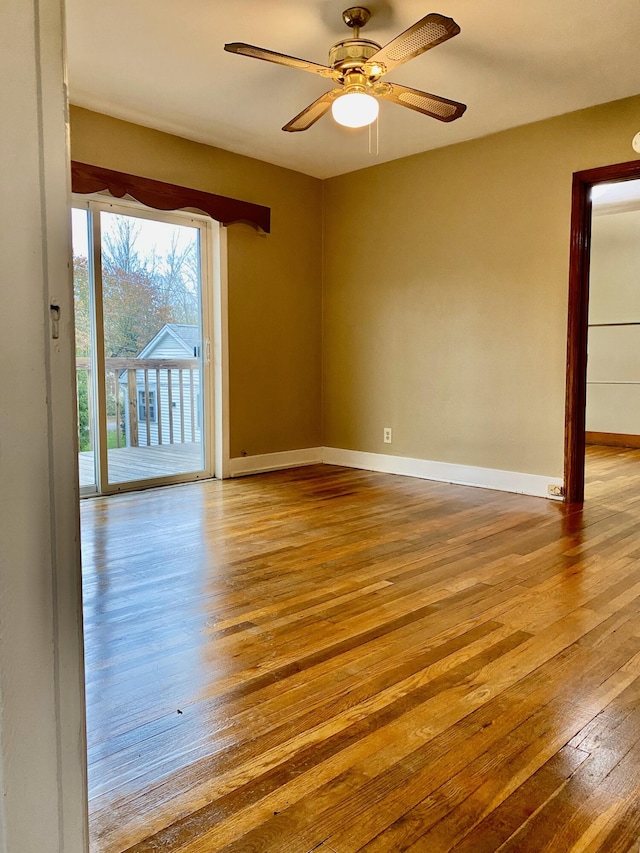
(357, 65)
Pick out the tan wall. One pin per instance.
(274, 280)
(613, 375)
(445, 294)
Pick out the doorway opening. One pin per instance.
(578, 318)
(144, 307)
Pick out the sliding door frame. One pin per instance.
(214, 362)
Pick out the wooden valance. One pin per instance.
(163, 196)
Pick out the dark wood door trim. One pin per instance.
(578, 319)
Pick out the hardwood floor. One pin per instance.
(337, 660)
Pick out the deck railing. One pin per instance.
(168, 389)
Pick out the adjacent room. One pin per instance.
(360, 560)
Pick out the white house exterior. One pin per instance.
(168, 403)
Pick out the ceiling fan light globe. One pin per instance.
(355, 109)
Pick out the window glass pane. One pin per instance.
(152, 345)
(83, 307)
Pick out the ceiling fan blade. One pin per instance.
(313, 112)
(426, 33)
(430, 105)
(279, 58)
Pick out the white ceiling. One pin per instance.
(161, 63)
(614, 195)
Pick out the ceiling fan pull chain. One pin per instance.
(377, 145)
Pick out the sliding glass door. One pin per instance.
(142, 346)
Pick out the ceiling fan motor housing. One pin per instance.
(351, 53)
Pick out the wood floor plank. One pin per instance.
(339, 660)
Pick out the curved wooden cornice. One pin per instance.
(163, 196)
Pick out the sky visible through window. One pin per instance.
(152, 237)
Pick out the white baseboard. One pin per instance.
(240, 466)
(446, 472)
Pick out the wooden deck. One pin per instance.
(143, 463)
(337, 660)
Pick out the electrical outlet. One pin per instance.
(387, 435)
(555, 491)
